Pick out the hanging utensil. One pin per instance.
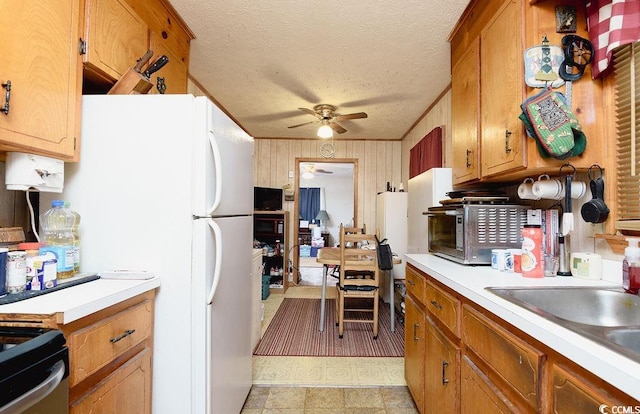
(567, 216)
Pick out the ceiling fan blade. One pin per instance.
(323, 171)
(309, 111)
(306, 123)
(356, 115)
(337, 128)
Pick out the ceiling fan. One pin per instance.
(327, 116)
(310, 170)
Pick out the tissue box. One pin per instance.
(317, 242)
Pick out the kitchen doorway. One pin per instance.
(337, 180)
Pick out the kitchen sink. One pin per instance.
(590, 306)
(628, 338)
(608, 316)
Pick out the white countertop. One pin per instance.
(471, 281)
(78, 301)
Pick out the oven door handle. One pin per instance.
(38, 393)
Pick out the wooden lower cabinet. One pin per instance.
(414, 344)
(572, 392)
(515, 364)
(461, 358)
(442, 373)
(478, 394)
(110, 354)
(126, 390)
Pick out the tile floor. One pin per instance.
(328, 385)
(306, 400)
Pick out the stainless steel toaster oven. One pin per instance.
(466, 233)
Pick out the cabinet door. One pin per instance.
(126, 390)
(574, 394)
(116, 38)
(465, 102)
(478, 394)
(501, 74)
(174, 73)
(40, 58)
(414, 352)
(442, 373)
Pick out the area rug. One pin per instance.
(293, 331)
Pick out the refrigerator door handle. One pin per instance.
(217, 161)
(218, 265)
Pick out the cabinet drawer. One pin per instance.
(99, 344)
(126, 390)
(415, 284)
(513, 360)
(443, 307)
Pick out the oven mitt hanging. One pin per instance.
(553, 125)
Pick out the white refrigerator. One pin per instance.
(392, 220)
(165, 184)
(425, 190)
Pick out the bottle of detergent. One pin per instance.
(631, 266)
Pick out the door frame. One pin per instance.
(296, 206)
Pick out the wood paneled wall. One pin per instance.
(438, 115)
(378, 162)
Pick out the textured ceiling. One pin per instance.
(261, 60)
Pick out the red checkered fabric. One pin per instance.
(611, 23)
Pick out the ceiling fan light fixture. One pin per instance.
(325, 131)
(307, 175)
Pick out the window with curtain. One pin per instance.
(426, 154)
(626, 69)
(309, 203)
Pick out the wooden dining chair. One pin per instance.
(359, 279)
(335, 271)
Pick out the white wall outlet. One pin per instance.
(290, 174)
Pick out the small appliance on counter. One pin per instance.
(466, 229)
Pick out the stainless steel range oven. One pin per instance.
(34, 366)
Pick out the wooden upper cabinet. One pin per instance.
(116, 37)
(501, 74)
(465, 104)
(487, 49)
(40, 58)
(169, 36)
(174, 73)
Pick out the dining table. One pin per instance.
(330, 256)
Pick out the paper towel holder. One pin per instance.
(26, 172)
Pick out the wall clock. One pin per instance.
(328, 150)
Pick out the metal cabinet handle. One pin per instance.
(444, 366)
(411, 282)
(468, 162)
(7, 86)
(436, 304)
(415, 332)
(120, 337)
(507, 134)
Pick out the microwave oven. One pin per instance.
(466, 233)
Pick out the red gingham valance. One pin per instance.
(611, 23)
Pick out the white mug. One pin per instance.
(578, 189)
(525, 190)
(549, 188)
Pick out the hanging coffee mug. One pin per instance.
(595, 210)
(547, 187)
(525, 190)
